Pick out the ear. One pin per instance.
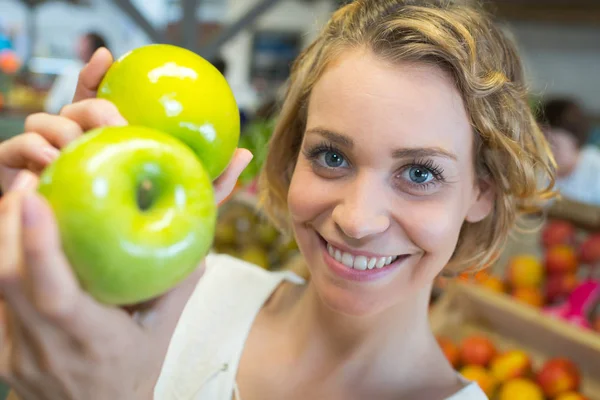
(483, 204)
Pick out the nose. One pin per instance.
(361, 210)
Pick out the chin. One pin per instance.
(358, 295)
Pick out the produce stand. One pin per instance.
(466, 310)
(541, 323)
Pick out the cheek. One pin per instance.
(434, 226)
(306, 196)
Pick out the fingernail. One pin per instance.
(30, 211)
(249, 156)
(50, 154)
(23, 181)
(117, 121)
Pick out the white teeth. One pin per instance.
(372, 262)
(338, 255)
(348, 259)
(360, 263)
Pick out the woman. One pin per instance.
(405, 148)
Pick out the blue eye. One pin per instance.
(419, 175)
(332, 159)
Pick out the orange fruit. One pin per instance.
(571, 396)
(450, 350)
(484, 379)
(493, 283)
(520, 389)
(477, 350)
(525, 271)
(532, 296)
(510, 365)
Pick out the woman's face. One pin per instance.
(384, 181)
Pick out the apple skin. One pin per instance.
(176, 91)
(589, 251)
(558, 375)
(121, 254)
(561, 259)
(558, 232)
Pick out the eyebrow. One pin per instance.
(423, 152)
(417, 152)
(334, 137)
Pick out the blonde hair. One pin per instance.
(510, 150)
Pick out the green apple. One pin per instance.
(135, 209)
(174, 90)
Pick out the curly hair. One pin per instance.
(510, 150)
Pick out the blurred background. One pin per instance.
(540, 302)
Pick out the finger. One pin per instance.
(24, 181)
(49, 281)
(58, 131)
(51, 285)
(226, 182)
(22, 150)
(10, 228)
(91, 75)
(93, 113)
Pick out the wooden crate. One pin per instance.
(466, 309)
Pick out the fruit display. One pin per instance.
(135, 205)
(245, 233)
(513, 351)
(560, 279)
(510, 374)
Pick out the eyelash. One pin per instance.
(312, 154)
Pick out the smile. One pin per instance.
(359, 262)
(359, 266)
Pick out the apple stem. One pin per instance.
(145, 195)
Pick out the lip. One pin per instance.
(351, 251)
(351, 274)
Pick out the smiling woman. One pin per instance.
(405, 149)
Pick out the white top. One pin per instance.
(583, 184)
(206, 347)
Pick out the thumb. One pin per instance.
(92, 74)
(50, 281)
(225, 183)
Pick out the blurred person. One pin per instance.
(63, 89)
(578, 162)
(567, 114)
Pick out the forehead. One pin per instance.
(403, 104)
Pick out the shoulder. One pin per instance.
(470, 392)
(213, 327)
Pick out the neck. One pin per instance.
(386, 345)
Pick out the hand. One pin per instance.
(46, 134)
(56, 341)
